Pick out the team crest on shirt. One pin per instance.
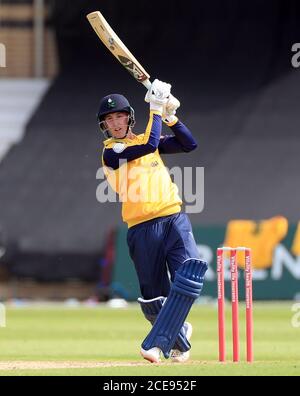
(119, 148)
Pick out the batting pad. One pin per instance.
(151, 309)
(187, 287)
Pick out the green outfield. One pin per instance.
(104, 341)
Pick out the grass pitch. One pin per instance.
(104, 341)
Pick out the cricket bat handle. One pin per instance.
(147, 83)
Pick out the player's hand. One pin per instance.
(169, 113)
(158, 95)
(172, 106)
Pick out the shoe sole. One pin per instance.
(151, 360)
(176, 360)
(188, 335)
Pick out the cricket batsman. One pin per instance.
(160, 236)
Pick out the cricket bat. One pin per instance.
(110, 39)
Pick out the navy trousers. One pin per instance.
(158, 248)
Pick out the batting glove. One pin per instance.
(169, 114)
(158, 95)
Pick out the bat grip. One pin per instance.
(147, 83)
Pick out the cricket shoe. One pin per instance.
(152, 355)
(178, 356)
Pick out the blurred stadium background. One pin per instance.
(230, 65)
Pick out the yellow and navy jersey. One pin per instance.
(135, 170)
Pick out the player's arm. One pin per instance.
(182, 141)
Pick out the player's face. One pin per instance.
(117, 124)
